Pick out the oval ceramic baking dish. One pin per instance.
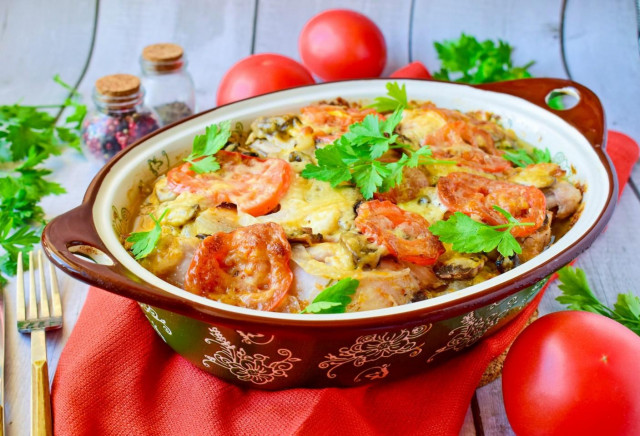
(277, 350)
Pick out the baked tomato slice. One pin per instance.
(248, 267)
(476, 195)
(469, 145)
(254, 185)
(330, 121)
(405, 234)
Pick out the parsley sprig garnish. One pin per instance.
(470, 236)
(333, 299)
(145, 242)
(469, 61)
(29, 135)
(397, 97)
(577, 295)
(522, 158)
(202, 157)
(354, 157)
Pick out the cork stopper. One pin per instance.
(118, 85)
(163, 52)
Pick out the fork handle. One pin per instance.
(41, 423)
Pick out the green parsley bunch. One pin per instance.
(468, 60)
(29, 135)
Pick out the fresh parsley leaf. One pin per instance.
(577, 295)
(205, 147)
(370, 176)
(522, 158)
(555, 102)
(145, 242)
(353, 157)
(207, 164)
(14, 238)
(333, 299)
(29, 135)
(469, 61)
(469, 236)
(397, 97)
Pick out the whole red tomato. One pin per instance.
(573, 373)
(259, 74)
(342, 44)
(414, 70)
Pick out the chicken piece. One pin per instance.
(424, 276)
(563, 196)
(172, 256)
(390, 285)
(162, 191)
(413, 180)
(535, 244)
(210, 221)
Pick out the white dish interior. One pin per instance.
(535, 125)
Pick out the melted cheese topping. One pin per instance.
(418, 123)
(313, 204)
(426, 204)
(319, 219)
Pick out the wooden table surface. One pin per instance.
(591, 41)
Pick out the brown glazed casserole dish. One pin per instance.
(272, 350)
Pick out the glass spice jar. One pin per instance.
(119, 118)
(169, 87)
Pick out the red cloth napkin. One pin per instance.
(117, 377)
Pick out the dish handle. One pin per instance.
(72, 243)
(587, 116)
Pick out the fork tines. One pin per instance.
(45, 319)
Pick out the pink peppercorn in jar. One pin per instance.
(119, 118)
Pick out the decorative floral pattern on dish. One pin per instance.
(253, 368)
(534, 290)
(473, 327)
(120, 220)
(155, 164)
(373, 373)
(163, 323)
(251, 338)
(369, 348)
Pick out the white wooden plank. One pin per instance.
(611, 262)
(610, 267)
(214, 34)
(635, 175)
(531, 27)
(601, 45)
(494, 419)
(279, 23)
(39, 38)
(468, 428)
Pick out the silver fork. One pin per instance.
(36, 324)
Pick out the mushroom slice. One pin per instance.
(460, 267)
